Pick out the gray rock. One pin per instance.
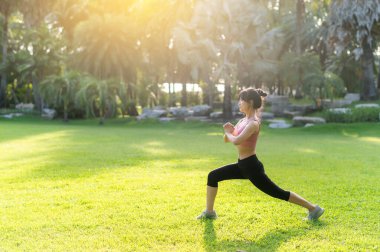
(152, 113)
(9, 116)
(25, 106)
(309, 125)
(198, 119)
(352, 97)
(266, 115)
(368, 105)
(216, 115)
(48, 113)
(302, 120)
(340, 110)
(280, 125)
(166, 119)
(201, 110)
(279, 104)
(291, 114)
(179, 112)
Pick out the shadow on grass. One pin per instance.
(269, 242)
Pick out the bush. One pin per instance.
(355, 115)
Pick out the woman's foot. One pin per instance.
(316, 213)
(207, 215)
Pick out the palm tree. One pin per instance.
(232, 29)
(44, 59)
(98, 97)
(34, 13)
(357, 19)
(300, 12)
(60, 91)
(68, 14)
(6, 9)
(158, 18)
(106, 48)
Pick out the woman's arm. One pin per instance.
(228, 127)
(250, 129)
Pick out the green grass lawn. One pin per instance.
(129, 186)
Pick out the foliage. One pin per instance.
(59, 91)
(319, 85)
(106, 47)
(352, 24)
(354, 116)
(139, 45)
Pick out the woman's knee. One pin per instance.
(212, 179)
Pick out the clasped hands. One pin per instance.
(228, 128)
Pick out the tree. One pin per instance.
(67, 14)
(233, 29)
(6, 9)
(60, 91)
(352, 23)
(98, 97)
(34, 13)
(106, 48)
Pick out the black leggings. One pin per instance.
(249, 168)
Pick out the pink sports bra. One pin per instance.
(252, 139)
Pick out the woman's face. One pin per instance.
(244, 106)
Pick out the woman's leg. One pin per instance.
(298, 200)
(210, 199)
(258, 177)
(224, 173)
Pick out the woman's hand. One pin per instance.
(228, 127)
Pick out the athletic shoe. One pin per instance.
(207, 215)
(316, 213)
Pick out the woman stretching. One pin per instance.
(244, 135)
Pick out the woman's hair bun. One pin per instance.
(261, 93)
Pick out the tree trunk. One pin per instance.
(210, 93)
(369, 91)
(38, 103)
(184, 95)
(65, 111)
(3, 84)
(227, 106)
(299, 30)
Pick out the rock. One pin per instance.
(25, 106)
(291, 114)
(302, 120)
(340, 110)
(9, 116)
(201, 110)
(166, 119)
(216, 115)
(152, 113)
(351, 97)
(367, 105)
(266, 115)
(179, 112)
(309, 125)
(198, 119)
(279, 104)
(280, 125)
(48, 113)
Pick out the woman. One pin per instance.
(244, 135)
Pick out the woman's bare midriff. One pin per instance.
(245, 152)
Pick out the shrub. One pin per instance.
(355, 115)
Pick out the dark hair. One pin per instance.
(252, 94)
